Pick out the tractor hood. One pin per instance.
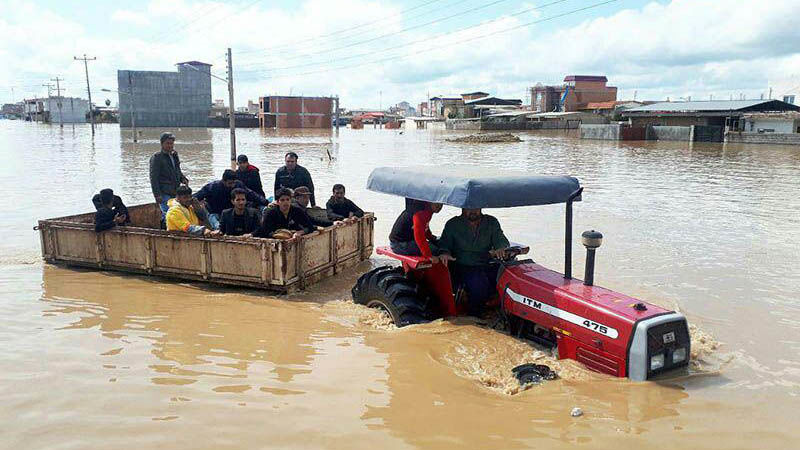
(464, 188)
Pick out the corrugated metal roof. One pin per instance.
(709, 105)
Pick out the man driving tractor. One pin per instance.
(470, 240)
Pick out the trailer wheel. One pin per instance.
(389, 290)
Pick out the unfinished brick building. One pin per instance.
(295, 112)
(576, 92)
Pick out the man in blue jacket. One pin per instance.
(217, 196)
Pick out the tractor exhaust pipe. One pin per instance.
(568, 234)
(591, 240)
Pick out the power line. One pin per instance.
(334, 33)
(174, 33)
(405, 44)
(398, 32)
(430, 49)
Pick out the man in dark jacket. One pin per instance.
(292, 176)
(106, 217)
(117, 206)
(217, 196)
(318, 216)
(285, 216)
(165, 173)
(239, 220)
(249, 175)
(340, 207)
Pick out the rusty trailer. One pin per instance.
(142, 247)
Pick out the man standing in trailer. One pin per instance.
(165, 173)
(292, 176)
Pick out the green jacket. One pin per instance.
(472, 248)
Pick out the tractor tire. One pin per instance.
(388, 289)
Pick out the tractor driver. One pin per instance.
(469, 241)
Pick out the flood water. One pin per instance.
(102, 359)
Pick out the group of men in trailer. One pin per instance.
(236, 205)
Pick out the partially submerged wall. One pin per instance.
(762, 138)
(611, 132)
(664, 133)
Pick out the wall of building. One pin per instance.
(296, 112)
(609, 132)
(662, 133)
(73, 110)
(669, 121)
(762, 138)
(776, 125)
(165, 99)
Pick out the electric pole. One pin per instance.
(58, 100)
(86, 60)
(232, 119)
(49, 87)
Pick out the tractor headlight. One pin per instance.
(657, 361)
(679, 355)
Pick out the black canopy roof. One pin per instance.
(462, 188)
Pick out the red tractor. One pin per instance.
(607, 331)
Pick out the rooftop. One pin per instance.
(585, 78)
(715, 105)
(487, 100)
(193, 63)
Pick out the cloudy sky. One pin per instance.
(376, 53)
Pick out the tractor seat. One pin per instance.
(412, 262)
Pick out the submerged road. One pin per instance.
(100, 359)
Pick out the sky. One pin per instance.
(375, 54)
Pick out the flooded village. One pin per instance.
(368, 241)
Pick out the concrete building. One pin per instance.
(479, 107)
(784, 122)
(448, 106)
(72, 109)
(165, 99)
(218, 109)
(717, 113)
(12, 109)
(252, 107)
(574, 94)
(295, 112)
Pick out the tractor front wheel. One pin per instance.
(391, 291)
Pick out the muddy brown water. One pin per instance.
(99, 359)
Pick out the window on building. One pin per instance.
(788, 99)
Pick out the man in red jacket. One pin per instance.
(410, 233)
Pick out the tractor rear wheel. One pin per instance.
(401, 298)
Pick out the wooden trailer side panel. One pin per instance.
(179, 254)
(126, 249)
(236, 260)
(75, 244)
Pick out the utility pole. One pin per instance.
(232, 122)
(58, 99)
(337, 113)
(49, 87)
(770, 93)
(86, 60)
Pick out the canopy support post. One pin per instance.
(568, 235)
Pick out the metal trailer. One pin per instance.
(142, 247)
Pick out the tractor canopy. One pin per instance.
(464, 188)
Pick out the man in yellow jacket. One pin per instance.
(183, 214)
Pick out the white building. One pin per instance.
(785, 122)
(65, 109)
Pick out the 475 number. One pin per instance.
(595, 326)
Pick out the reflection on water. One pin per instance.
(97, 359)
